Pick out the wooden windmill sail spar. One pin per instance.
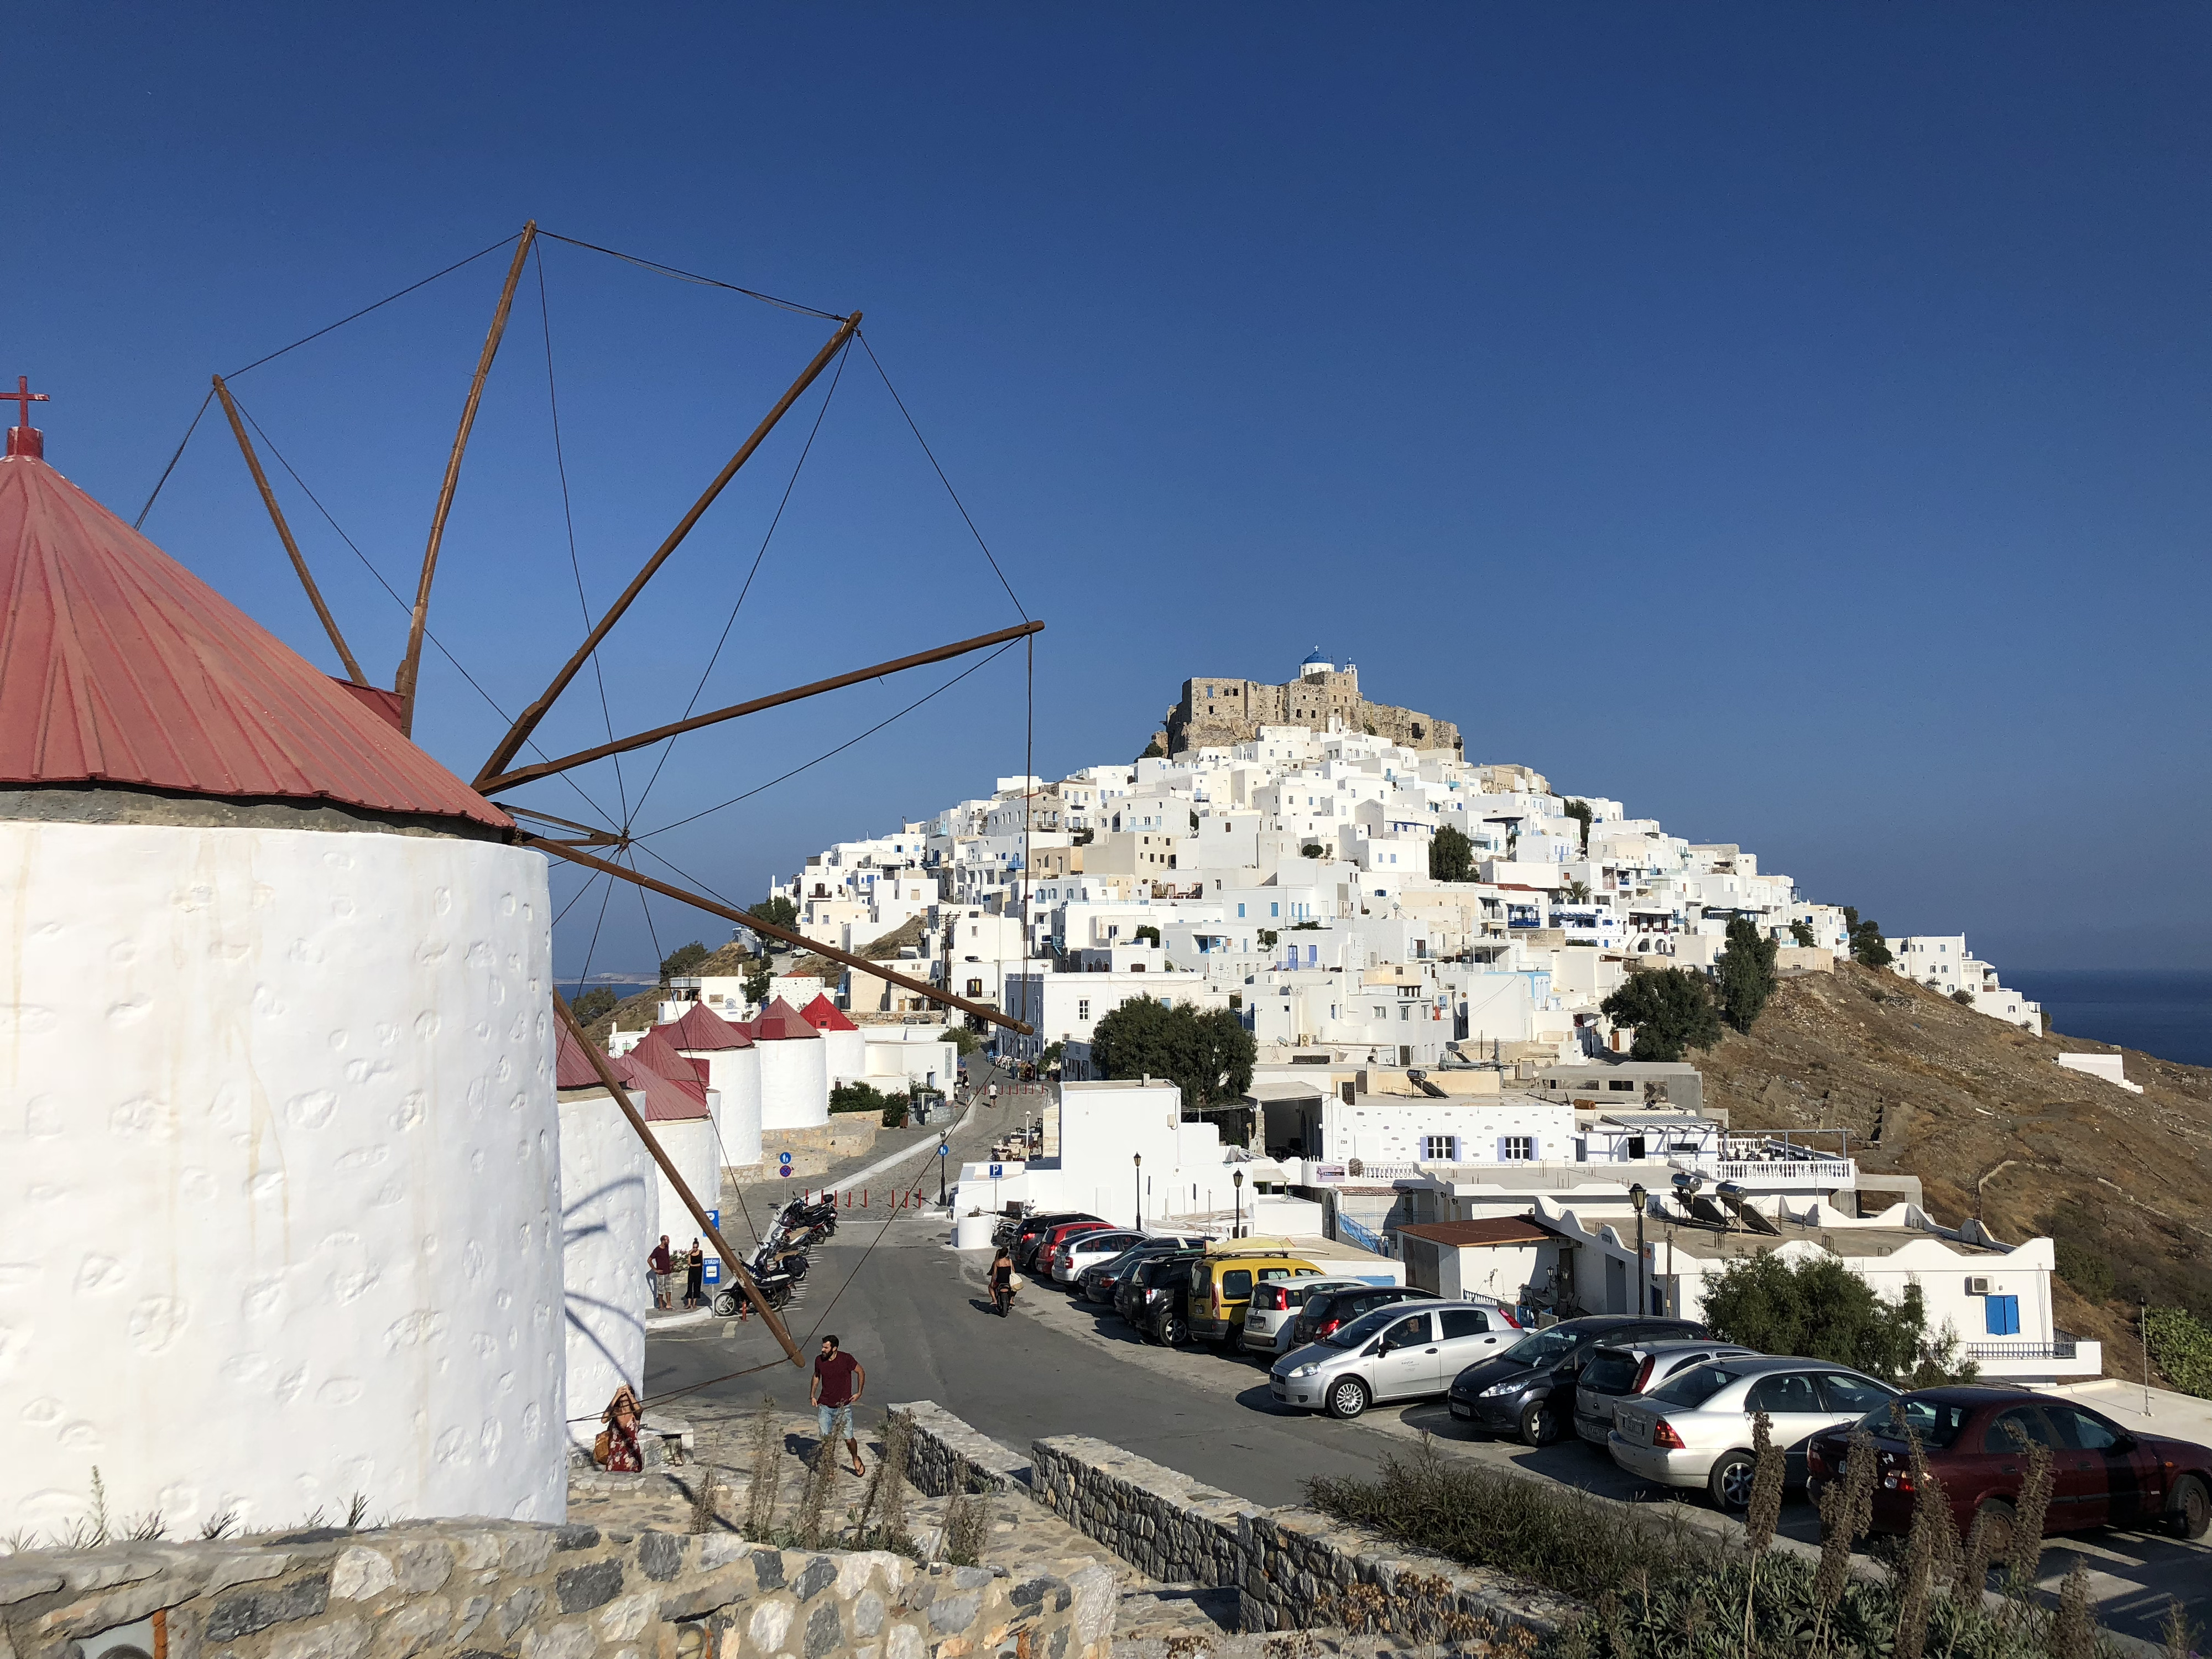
(284, 534)
(518, 733)
(410, 665)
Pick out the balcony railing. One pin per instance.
(1771, 1170)
(2064, 1348)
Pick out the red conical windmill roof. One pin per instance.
(703, 1028)
(824, 1015)
(779, 1020)
(118, 665)
(655, 1050)
(666, 1098)
(572, 1066)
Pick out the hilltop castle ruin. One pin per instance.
(1217, 712)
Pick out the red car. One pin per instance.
(1053, 1237)
(2106, 1475)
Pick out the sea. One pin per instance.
(2167, 1013)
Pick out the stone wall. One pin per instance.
(1160, 1521)
(1299, 1567)
(486, 1588)
(946, 1456)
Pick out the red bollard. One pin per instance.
(864, 1198)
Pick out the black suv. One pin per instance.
(1530, 1389)
(1326, 1310)
(1156, 1281)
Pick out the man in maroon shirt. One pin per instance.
(838, 1380)
(662, 1264)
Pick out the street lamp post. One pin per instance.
(1138, 1160)
(942, 1149)
(1236, 1227)
(1636, 1196)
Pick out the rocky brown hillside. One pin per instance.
(1983, 1115)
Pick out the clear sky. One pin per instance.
(1793, 422)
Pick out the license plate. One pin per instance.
(1458, 1410)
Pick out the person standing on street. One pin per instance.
(662, 1266)
(694, 1270)
(838, 1380)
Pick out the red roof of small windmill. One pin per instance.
(666, 1099)
(118, 665)
(824, 1015)
(779, 1020)
(654, 1050)
(572, 1066)
(703, 1028)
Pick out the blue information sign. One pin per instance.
(711, 1273)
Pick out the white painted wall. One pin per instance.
(734, 1075)
(281, 1178)
(844, 1056)
(609, 1219)
(689, 1144)
(795, 1082)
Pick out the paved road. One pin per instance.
(914, 1314)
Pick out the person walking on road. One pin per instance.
(662, 1263)
(838, 1380)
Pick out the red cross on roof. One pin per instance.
(23, 397)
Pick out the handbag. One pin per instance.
(1015, 1281)
(602, 1447)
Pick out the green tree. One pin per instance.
(595, 1004)
(1579, 810)
(1153, 751)
(681, 960)
(1146, 934)
(777, 912)
(1052, 1054)
(1866, 947)
(1576, 891)
(1671, 1009)
(1267, 938)
(1746, 972)
(1802, 932)
(1820, 1309)
(758, 978)
(1451, 855)
(1312, 849)
(964, 1039)
(1208, 1056)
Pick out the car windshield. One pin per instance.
(1937, 1422)
(1544, 1348)
(1364, 1329)
(1694, 1387)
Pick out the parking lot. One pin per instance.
(915, 1314)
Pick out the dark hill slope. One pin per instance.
(1983, 1116)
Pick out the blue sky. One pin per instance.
(1789, 420)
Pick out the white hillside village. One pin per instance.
(1434, 1079)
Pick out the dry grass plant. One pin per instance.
(811, 1523)
(703, 1501)
(2024, 1560)
(767, 1473)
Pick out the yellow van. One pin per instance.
(1221, 1290)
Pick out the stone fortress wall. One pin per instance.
(1216, 712)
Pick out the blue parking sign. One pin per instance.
(997, 1170)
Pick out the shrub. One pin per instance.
(2182, 1345)
(1579, 810)
(681, 960)
(1312, 849)
(889, 1108)
(1801, 933)
(777, 912)
(2082, 1267)
(1821, 1310)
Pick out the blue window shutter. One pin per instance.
(2002, 1315)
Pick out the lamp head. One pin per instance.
(1238, 1178)
(1636, 1195)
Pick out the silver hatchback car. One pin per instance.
(1694, 1429)
(1273, 1313)
(1615, 1373)
(1408, 1351)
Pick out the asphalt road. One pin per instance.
(912, 1311)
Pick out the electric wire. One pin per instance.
(693, 277)
(138, 521)
(790, 484)
(593, 947)
(378, 305)
(840, 748)
(568, 518)
(580, 892)
(862, 337)
(659, 955)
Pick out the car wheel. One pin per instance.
(2188, 1508)
(1347, 1398)
(1539, 1427)
(1174, 1331)
(1995, 1516)
(1730, 1483)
